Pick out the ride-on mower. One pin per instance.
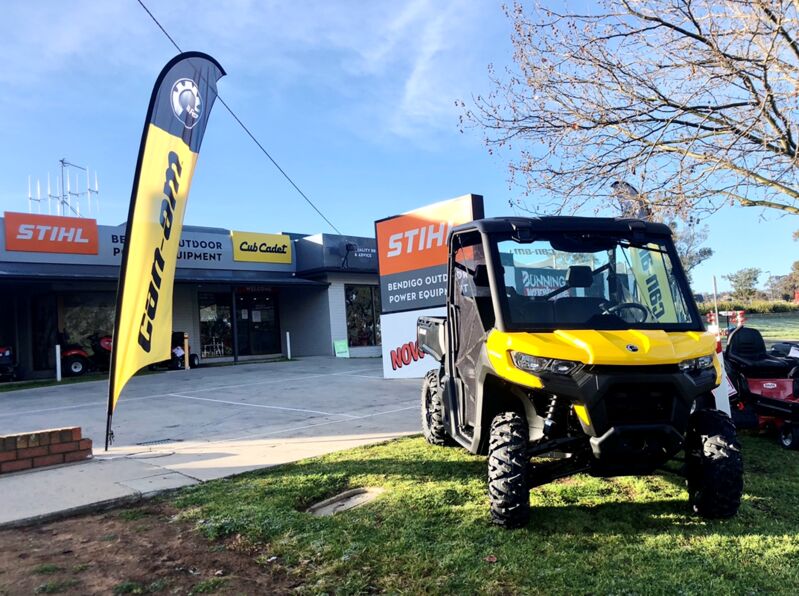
(574, 345)
(767, 384)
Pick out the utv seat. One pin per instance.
(525, 309)
(746, 351)
(482, 297)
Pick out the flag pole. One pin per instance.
(177, 114)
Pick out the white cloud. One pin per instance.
(390, 68)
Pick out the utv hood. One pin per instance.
(631, 347)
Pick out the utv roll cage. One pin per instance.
(527, 230)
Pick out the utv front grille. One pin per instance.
(650, 369)
(639, 403)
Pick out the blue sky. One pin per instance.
(356, 100)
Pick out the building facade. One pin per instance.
(237, 294)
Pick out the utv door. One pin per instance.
(471, 315)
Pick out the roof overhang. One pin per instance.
(57, 272)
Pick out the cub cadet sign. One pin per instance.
(261, 248)
(27, 232)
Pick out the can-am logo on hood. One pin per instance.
(186, 102)
(632, 348)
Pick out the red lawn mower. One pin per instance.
(767, 383)
(77, 360)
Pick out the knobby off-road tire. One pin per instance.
(714, 465)
(508, 486)
(433, 425)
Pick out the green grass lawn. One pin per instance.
(775, 326)
(429, 532)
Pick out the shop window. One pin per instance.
(44, 323)
(85, 314)
(216, 327)
(363, 315)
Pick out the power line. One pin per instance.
(247, 130)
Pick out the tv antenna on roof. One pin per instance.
(67, 201)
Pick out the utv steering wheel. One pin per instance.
(629, 306)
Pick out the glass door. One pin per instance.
(257, 322)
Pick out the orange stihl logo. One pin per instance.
(417, 239)
(47, 233)
(51, 233)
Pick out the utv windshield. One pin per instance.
(596, 282)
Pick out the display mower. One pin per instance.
(574, 345)
(766, 383)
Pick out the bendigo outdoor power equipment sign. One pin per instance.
(412, 258)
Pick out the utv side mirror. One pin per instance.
(579, 276)
(522, 234)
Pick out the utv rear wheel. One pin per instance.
(508, 488)
(714, 466)
(433, 425)
(789, 436)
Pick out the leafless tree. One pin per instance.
(693, 101)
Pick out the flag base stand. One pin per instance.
(109, 434)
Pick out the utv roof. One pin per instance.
(559, 223)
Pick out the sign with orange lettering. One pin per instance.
(27, 232)
(412, 252)
(412, 258)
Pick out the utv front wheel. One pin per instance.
(433, 425)
(508, 489)
(714, 466)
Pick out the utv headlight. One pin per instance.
(562, 367)
(701, 363)
(534, 364)
(529, 363)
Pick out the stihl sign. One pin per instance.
(52, 234)
(418, 239)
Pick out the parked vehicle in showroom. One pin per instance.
(177, 361)
(76, 360)
(8, 365)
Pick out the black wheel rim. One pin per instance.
(786, 436)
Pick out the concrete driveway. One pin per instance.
(180, 427)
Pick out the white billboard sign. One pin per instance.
(402, 358)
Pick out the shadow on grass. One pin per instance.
(436, 484)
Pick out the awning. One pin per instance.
(57, 272)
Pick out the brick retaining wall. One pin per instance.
(50, 447)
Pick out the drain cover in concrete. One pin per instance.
(349, 499)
